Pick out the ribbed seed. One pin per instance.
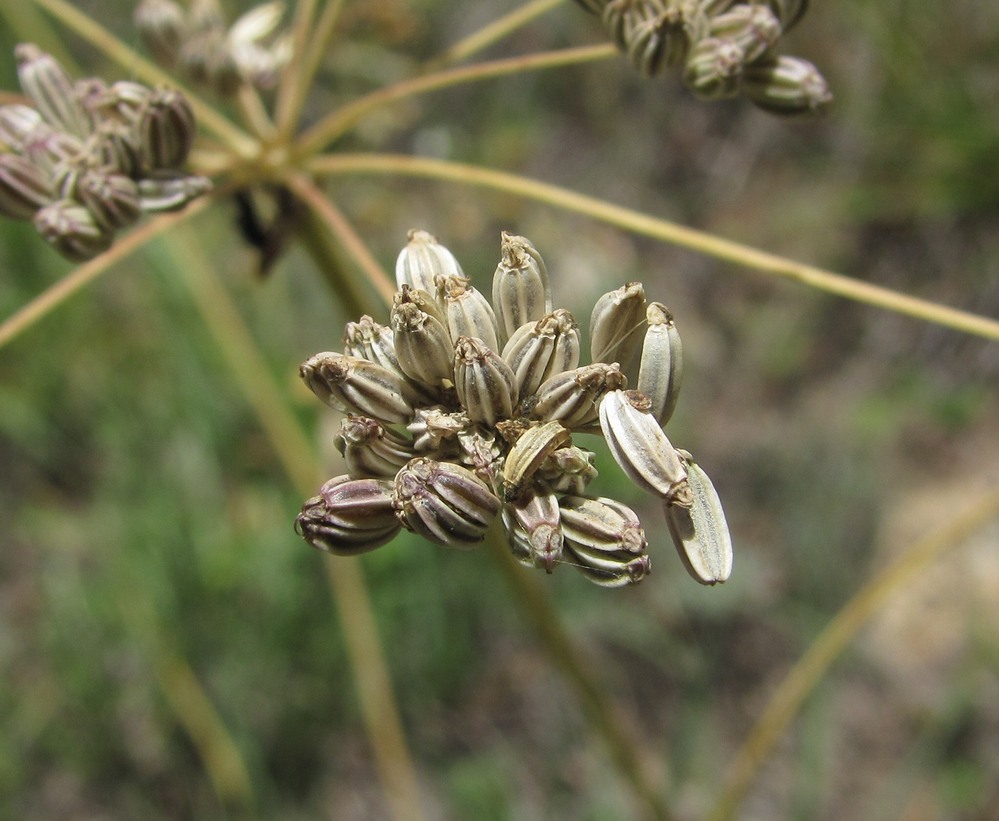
(162, 194)
(616, 569)
(349, 516)
(70, 228)
(24, 187)
(754, 28)
(370, 449)
(426, 301)
(641, 448)
(790, 86)
(357, 386)
(49, 149)
(601, 524)
(366, 339)
(573, 397)
(468, 312)
(116, 146)
(423, 260)
(700, 532)
(444, 503)
(16, 123)
(435, 428)
(113, 199)
(422, 346)
(483, 381)
(536, 515)
(521, 288)
(539, 350)
(162, 27)
(527, 455)
(50, 88)
(568, 470)
(713, 68)
(166, 130)
(661, 369)
(616, 325)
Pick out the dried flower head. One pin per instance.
(197, 43)
(462, 412)
(86, 159)
(725, 47)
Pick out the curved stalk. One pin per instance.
(296, 455)
(54, 296)
(602, 713)
(493, 32)
(662, 230)
(830, 643)
(94, 33)
(334, 125)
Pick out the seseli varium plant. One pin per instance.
(462, 411)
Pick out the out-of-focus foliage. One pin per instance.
(144, 518)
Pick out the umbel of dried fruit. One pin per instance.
(461, 411)
(87, 159)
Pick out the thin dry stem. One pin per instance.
(295, 452)
(494, 32)
(54, 296)
(343, 119)
(802, 678)
(662, 230)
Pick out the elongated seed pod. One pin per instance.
(714, 68)
(754, 28)
(568, 470)
(349, 516)
(539, 350)
(468, 312)
(161, 194)
(366, 339)
(536, 516)
(50, 88)
(24, 187)
(521, 288)
(700, 532)
(370, 449)
(789, 86)
(484, 382)
(616, 325)
(661, 369)
(422, 345)
(527, 455)
(602, 524)
(357, 386)
(162, 26)
(573, 397)
(641, 448)
(70, 228)
(423, 260)
(444, 503)
(113, 199)
(608, 569)
(16, 123)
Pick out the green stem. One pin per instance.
(297, 79)
(494, 32)
(830, 643)
(662, 230)
(340, 121)
(296, 455)
(85, 26)
(53, 297)
(602, 713)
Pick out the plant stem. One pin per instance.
(297, 79)
(341, 228)
(255, 112)
(340, 121)
(602, 713)
(662, 230)
(54, 296)
(296, 455)
(830, 643)
(493, 32)
(87, 28)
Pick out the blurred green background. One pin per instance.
(144, 517)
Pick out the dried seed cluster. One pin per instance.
(197, 43)
(86, 159)
(463, 409)
(725, 47)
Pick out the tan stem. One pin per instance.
(663, 230)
